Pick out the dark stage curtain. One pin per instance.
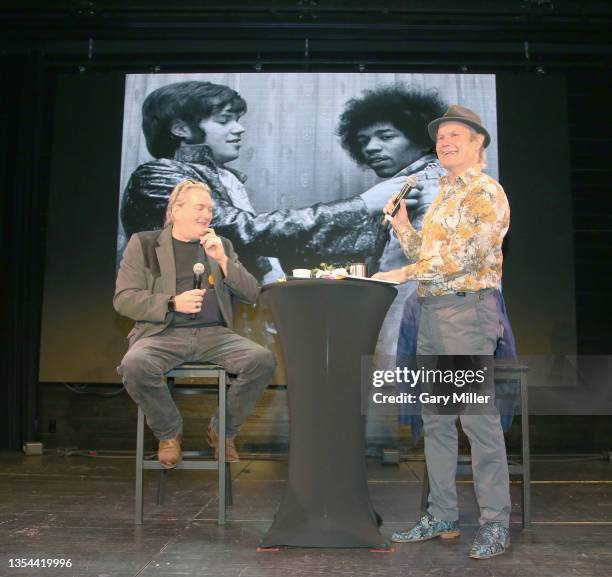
(24, 173)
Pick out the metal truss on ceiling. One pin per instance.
(477, 34)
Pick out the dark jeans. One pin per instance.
(149, 358)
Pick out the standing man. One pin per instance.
(386, 130)
(176, 323)
(458, 265)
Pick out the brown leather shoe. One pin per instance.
(169, 453)
(231, 454)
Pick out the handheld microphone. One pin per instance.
(198, 271)
(411, 182)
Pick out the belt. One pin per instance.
(480, 295)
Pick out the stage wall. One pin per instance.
(293, 158)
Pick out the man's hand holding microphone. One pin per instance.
(396, 213)
(395, 210)
(189, 302)
(376, 197)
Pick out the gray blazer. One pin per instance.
(147, 279)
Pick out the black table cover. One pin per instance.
(325, 326)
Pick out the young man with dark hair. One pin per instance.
(175, 112)
(406, 110)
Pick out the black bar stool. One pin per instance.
(189, 370)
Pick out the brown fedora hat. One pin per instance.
(457, 113)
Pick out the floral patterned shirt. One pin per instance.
(459, 247)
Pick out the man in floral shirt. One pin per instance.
(458, 267)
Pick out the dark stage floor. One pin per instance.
(82, 508)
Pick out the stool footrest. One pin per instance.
(205, 461)
(186, 464)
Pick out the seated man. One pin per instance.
(176, 323)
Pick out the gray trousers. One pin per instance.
(149, 358)
(464, 325)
